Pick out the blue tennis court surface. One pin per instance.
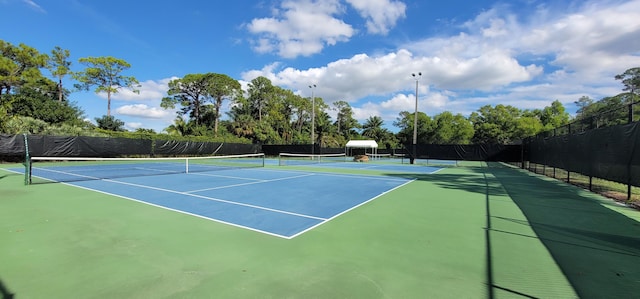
(388, 167)
(278, 202)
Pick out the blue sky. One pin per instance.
(525, 53)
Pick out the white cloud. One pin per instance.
(380, 15)
(498, 57)
(150, 90)
(133, 125)
(306, 27)
(144, 111)
(600, 38)
(34, 6)
(363, 75)
(300, 28)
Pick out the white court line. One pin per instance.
(306, 173)
(66, 173)
(349, 209)
(180, 211)
(215, 199)
(357, 176)
(223, 176)
(436, 171)
(251, 183)
(382, 168)
(176, 210)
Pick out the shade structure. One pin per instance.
(366, 144)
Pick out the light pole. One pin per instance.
(313, 118)
(415, 120)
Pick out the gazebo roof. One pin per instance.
(362, 143)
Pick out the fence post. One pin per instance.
(569, 129)
(630, 120)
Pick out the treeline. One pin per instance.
(32, 102)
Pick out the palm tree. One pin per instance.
(372, 127)
(179, 127)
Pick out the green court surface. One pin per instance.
(474, 231)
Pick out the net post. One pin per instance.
(27, 161)
(186, 165)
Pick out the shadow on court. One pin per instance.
(3, 176)
(596, 247)
(4, 291)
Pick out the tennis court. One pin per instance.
(272, 201)
(313, 231)
(377, 164)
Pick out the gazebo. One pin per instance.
(366, 144)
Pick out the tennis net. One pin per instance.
(305, 159)
(380, 156)
(68, 169)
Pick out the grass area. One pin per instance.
(603, 187)
(464, 232)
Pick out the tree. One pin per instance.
(39, 100)
(345, 124)
(631, 80)
(242, 125)
(301, 110)
(178, 128)
(405, 123)
(553, 116)
(110, 123)
(191, 92)
(279, 113)
(145, 131)
(326, 131)
(19, 65)
(495, 124)
(260, 91)
(105, 74)
(221, 87)
(451, 129)
(372, 127)
(605, 112)
(59, 67)
(527, 126)
(583, 104)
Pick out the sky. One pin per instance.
(524, 53)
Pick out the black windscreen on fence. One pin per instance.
(11, 145)
(83, 146)
(467, 152)
(611, 153)
(172, 147)
(276, 149)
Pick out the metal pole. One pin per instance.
(415, 121)
(313, 119)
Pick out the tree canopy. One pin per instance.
(59, 65)
(263, 113)
(631, 80)
(26, 93)
(105, 74)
